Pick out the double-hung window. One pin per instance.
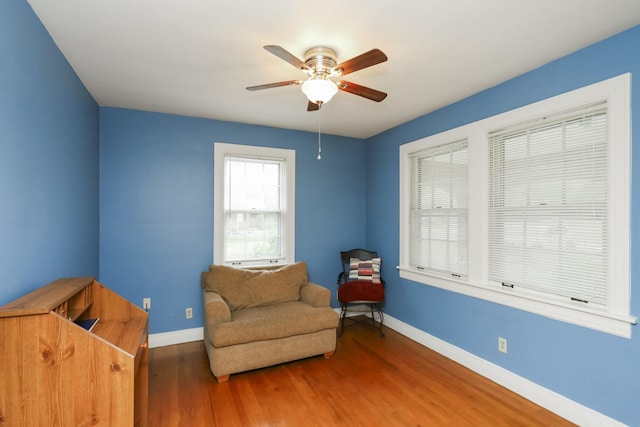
(547, 210)
(253, 213)
(548, 202)
(438, 209)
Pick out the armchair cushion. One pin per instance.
(272, 322)
(244, 288)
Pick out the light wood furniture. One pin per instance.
(54, 372)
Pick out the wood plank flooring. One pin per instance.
(389, 381)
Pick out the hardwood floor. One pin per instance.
(389, 381)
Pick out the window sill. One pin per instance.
(615, 324)
(257, 264)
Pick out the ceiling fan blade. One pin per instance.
(278, 84)
(367, 59)
(283, 54)
(312, 106)
(365, 92)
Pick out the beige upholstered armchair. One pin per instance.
(255, 318)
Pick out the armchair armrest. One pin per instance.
(216, 309)
(315, 295)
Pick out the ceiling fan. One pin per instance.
(321, 65)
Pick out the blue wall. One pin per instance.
(156, 205)
(595, 369)
(151, 203)
(48, 160)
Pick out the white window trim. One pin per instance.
(224, 149)
(616, 319)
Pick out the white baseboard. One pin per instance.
(544, 397)
(176, 337)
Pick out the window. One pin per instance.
(548, 205)
(548, 208)
(253, 212)
(438, 209)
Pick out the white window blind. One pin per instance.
(438, 206)
(548, 205)
(254, 209)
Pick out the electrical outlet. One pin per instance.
(189, 313)
(502, 345)
(146, 303)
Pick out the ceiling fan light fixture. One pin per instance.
(319, 90)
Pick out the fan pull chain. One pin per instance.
(319, 138)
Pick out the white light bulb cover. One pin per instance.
(319, 90)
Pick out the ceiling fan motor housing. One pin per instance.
(320, 60)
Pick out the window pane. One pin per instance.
(252, 236)
(252, 185)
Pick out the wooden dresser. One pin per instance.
(54, 372)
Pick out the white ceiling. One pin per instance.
(195, 57)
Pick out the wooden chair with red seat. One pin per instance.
(361, 287)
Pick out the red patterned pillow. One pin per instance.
(366, 270)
